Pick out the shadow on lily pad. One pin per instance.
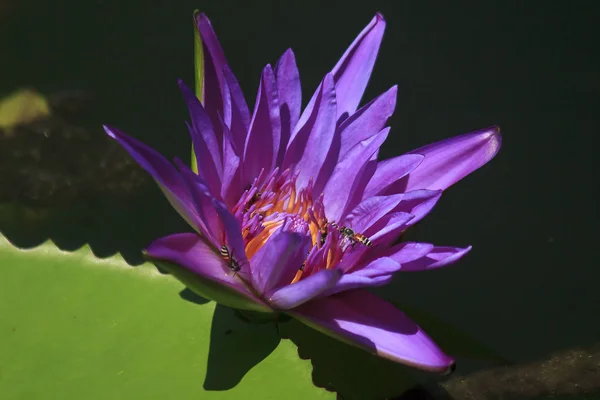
(236, 346)
(352, 372)
(189, 295)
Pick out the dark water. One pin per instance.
(528, 290)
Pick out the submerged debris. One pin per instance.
(48, 158)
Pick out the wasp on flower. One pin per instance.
(354, 237)
(229, 260)
(269, 181)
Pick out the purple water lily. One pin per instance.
(292, 211)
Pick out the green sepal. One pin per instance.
(198, 75)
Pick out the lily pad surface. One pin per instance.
(73, 326)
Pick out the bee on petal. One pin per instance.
(354, 237)
(231, 262)
(359, 237)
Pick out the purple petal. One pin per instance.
(354, 280)
(363, 124)
(278, 260)
(401, 253)
(290, 98)
(240, 114)
(225, 228)
(298, 293)
(206, 144)
(206, 169)
(202, 124)
(367, 121)
(215, 97)
(370, 211)
(364, 320)
(387, 178)
(213, 51)
(448, 161)
(222, 93)
(189, 251)
(262, 143)
(409, 251)
(360, 183)
(339, 188)
(438, 257)
(353, 70)
(377, 273)
(233, 235)
(203, 201)
(165, 174)
(390, 227)
(379, 267)
(418, 203)
(313, 140)
(231, 188)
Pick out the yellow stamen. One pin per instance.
(297, 207)
(292, 201)
(297, 277)
(314, 231)
(328, 265)
(260, 239)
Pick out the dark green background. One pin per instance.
(530, 285)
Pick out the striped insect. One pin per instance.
(323, 232)
(301, 269)
(359, 237)
(252, 200)
(231, 262)
(354, 237)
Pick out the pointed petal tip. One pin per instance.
(329, 80)
(202, 17)
(439, 256)
(490, 132)
(496, 137)
(289, 53)
(267, 72)
(195, 15)
(452, 258)
(493, 137)
(450, 160)
(448, 371)
(109, 131)
(379, 17)
(360, 318)
(182, 85)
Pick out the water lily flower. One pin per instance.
(292, 211)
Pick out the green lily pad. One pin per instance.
(73, 326)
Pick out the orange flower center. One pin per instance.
(274, 199)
